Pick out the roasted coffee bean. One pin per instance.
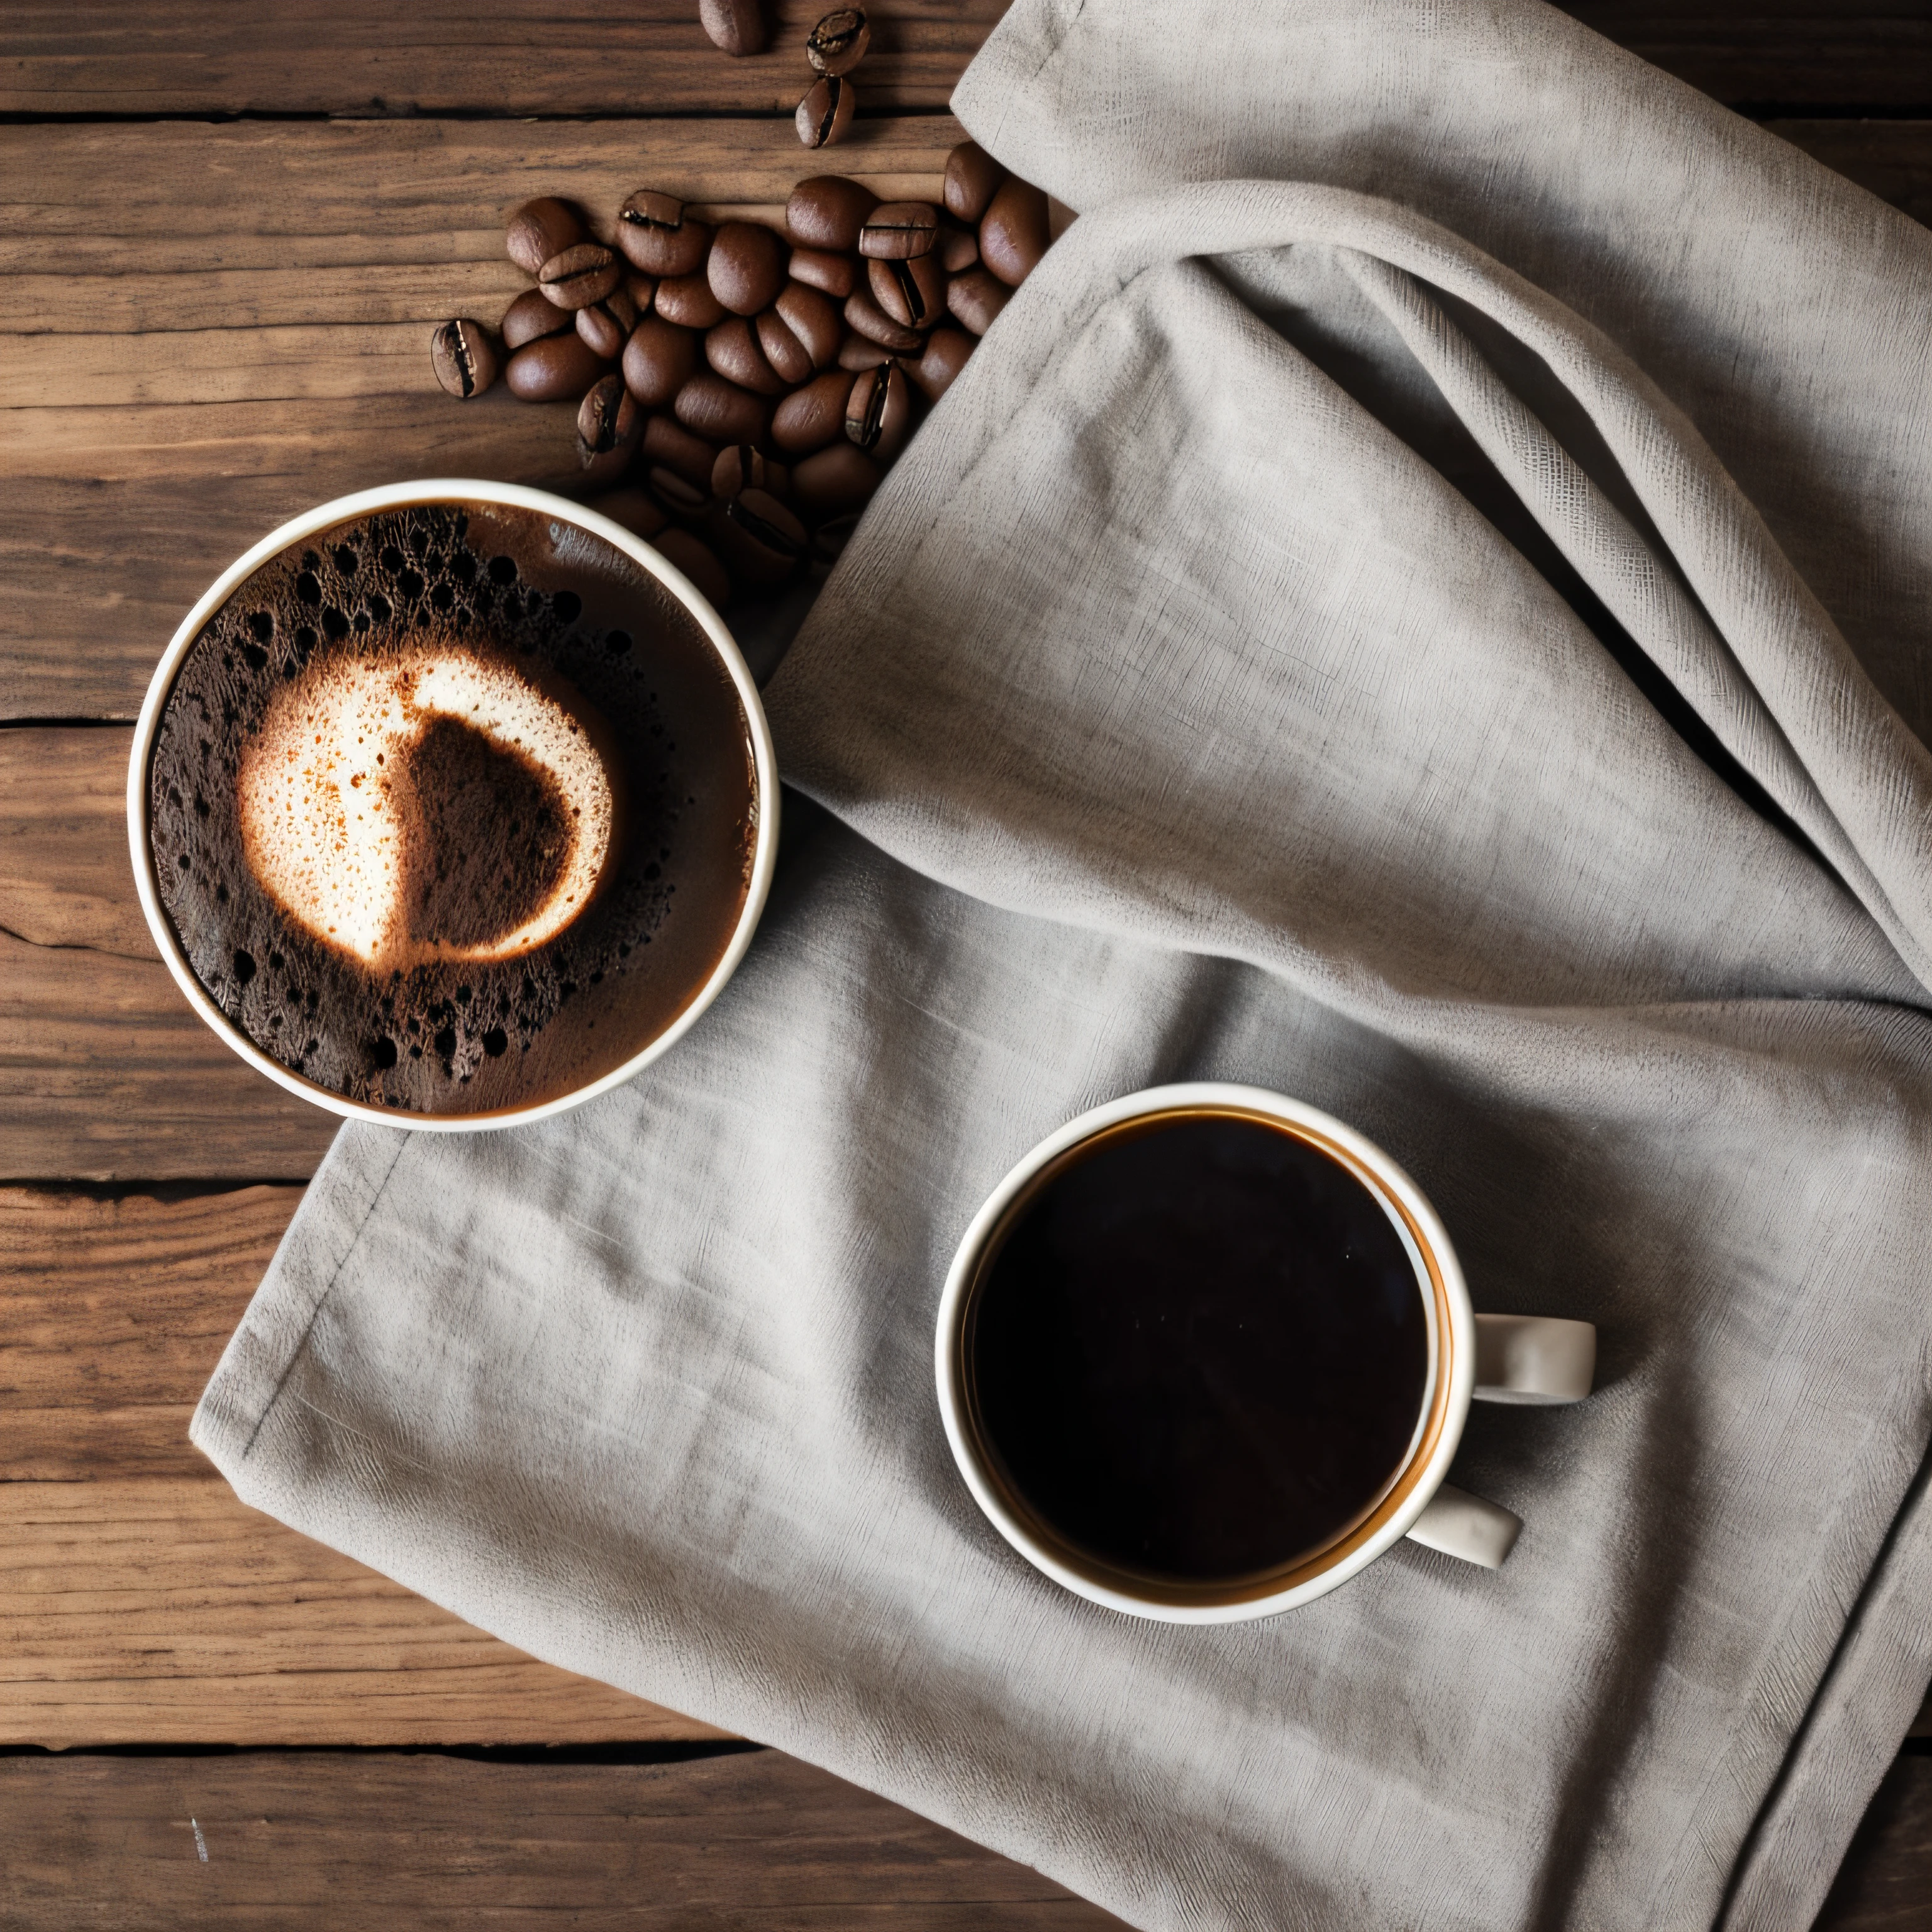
(790, 360)
(878, 413)
(540, 229)
(736, 27)
(608, 417)
(757, 539)
(827, 212)
(743, 467)
(530, 316)
(658, 360)
(1013, 236)
(976, 297)
(721, 411)
(732, 349)
(826, 112)
(872, 322)
(580, 276)
(912, 292)
(834, 481)
(856, 352)
(945, 355)
(641, 288)
(553, 369)
(830, 539)
(687, 300)
(641, 515)
(607, 324)
(973, 178)
(838, 43)
(658, 237)
(681, 548)
(678, 494)
(669, 445)
(746, 267)
(813, 319)
(810, 418)
(465, 363)
(957, 249)
(834, 273)
(603, 468)
(897, 230)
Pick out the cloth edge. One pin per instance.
(341, 1196)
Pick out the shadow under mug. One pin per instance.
(1505, 1358)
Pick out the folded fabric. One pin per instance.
(1420, 602)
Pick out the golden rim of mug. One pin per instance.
(1281, 1578)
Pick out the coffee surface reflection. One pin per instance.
(1197, 1349)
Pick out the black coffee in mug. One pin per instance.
(1197, 1350)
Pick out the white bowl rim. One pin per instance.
(1295, 1113)
(454, 490)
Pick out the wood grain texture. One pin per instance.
(628, 57)
(208, 329)
(64, 876)
(142, 1602)
(106, 1074)
(112, 1315)
(1885, 1884)
(367, 57)
(160, 1610)
(742, 1839)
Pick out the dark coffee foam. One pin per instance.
(1200, 1352)
(481, 831)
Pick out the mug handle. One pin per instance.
(1520, 1358)
(1533, 1358)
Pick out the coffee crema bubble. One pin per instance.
(453, 809)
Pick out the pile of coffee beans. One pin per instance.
(741, 392)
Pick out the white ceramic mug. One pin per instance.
(1507, 1358)
(402, 496)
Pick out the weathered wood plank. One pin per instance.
(135, 57)
(210, 328)
(106, 1074)
(275, 1840)
(112, 1315)
(142, 1602)
(187, 199)
(364, 57)
(64, 879)
(160, 1610)
(1885, 1885)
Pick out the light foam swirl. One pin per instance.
(323, 791)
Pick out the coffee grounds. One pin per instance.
(444, 1035)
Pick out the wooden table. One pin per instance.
(227, 232)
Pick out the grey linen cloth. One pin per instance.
(1458, 654)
